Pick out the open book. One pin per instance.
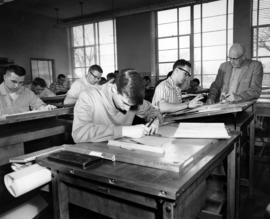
(201, 130)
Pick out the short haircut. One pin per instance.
(146, 78)
(130, 83)
(95, 68)
(182, 63)
(111, 76)
(61, 76)
(196, 80)
(39, 82)
(18, 70)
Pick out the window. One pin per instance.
(199, 33)
(43, 68)
(261, 36)
(94, 43)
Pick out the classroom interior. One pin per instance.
(42, 32)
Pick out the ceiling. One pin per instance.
(75, 8)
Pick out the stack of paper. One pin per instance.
(201, 130)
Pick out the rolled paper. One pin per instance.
(27, 179)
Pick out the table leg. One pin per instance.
(251, 155)
(60, 197)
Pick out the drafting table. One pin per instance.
(23, 127)
(124, 190)
(237, 117)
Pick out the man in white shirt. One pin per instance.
(90, 80)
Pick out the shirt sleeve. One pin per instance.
(148, 111)
(34, 101)
(85, 129)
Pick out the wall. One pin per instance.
(134, 42)
(243, 24)
(24, 36)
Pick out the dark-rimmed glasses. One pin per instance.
(187, 73)
(96, 77)
(235, 59)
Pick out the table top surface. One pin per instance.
(152, 181)
(34, 115)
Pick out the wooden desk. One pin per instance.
(20, 128)
(123, 190)
(57, 100)
(237, 117)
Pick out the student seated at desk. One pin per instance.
(14, 97)
(61, 86)
(107, 113)
(39, 87)
(239, 79)
(90, 80)
(194, 86)
(167, 97)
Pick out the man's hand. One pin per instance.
(195, 102)
(47, 107)
(153, 127)
(135, 131)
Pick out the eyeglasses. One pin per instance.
(96, 77)
(187, 73)
(235, 59)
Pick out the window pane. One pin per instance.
(90, 56)
(197, 26)
(197, 54)
(184, 13)
(211, 67)
(266, 65)
(164, 68)
(167, 55)
(197, 68)
(264, 12)
(214, 23)
(214, 53)
(184, 27)
(77, 36)
(79, 57)
(89, 34)
(167, 43)
(79, 72)
(167, 29)
(263, 41)
(167, 16)
(214, 38)
(184, 42)
(106, 32)
(185, 54)
(197, 40)
(214, 8)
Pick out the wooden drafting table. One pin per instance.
(237, 117)
(124, 190)
(19, 128)
(263, 104)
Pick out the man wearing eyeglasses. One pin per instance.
(107, 113)
(167, 97)
(239, 79)
(90, 80)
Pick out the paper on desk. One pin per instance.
(27, 179)
(201, 130)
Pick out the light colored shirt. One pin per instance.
(23, 100)
(167, 91)
(47, 93)
(76, 88)
(234, 80)
(97, 119)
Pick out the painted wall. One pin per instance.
(24, 36)
(243, 24)
(134, 42)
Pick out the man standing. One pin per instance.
(90, 80)
(14, 97)
(239, 79)
(108, 112)
(167, 97)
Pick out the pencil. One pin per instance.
(151, 121)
